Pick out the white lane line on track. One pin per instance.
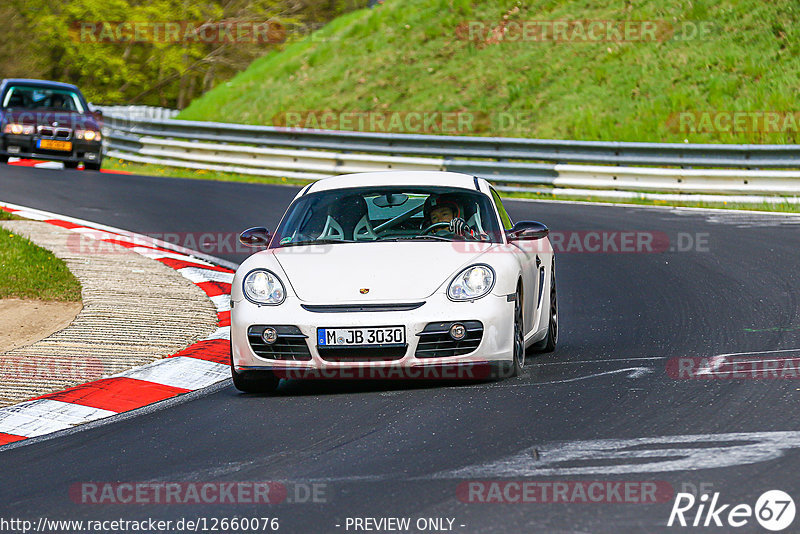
(180, 372)
(42, 416)
(635, 372)
(638, 455)
(629, 360)
(716, 362)
(758, 352)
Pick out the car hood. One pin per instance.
(67, 119)
(391, 271)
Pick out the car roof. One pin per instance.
(402, 178)
(40, 83)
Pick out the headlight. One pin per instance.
(18, 129)
(472, 283)
(263, 287)
(89, 135)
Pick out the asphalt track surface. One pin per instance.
(401, 449)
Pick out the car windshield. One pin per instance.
(40, 98)
(358, 215)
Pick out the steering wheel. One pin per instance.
(434, 226)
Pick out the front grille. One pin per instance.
(54, 133)
(290, 345)
(435, 340)
(362, 354)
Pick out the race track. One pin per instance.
(402, 449)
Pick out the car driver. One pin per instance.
(441, 209)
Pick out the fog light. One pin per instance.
(270, 336)
(13, 149)
(458, 331)
(90, 155)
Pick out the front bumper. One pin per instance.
(494, 312)
(25, 146)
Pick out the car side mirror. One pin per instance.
(255, 237)
(527, 231)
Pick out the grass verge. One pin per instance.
(31, 272)
(417, 56)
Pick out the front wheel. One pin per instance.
(71, 164)
(514, 367)
(254, 381)
(548, 344)
(92, 166)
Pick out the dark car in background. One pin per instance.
(48, 120)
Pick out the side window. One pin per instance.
(504, 218)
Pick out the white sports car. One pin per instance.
(392, 274)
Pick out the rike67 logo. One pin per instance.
(774, 510)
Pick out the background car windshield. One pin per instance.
(382, 213)
(27, 97)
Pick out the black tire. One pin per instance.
(71, 164)
(92, 166)
(519, 336)
(548, 344)
(254, 381)
(3, 159)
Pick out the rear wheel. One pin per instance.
(548, 344)
(254, 381)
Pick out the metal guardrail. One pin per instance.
(150, 136)
(137, 112)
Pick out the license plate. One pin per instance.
(358, 337)
(49, 144)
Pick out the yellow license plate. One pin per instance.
(48, 144)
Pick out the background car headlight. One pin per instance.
(263, 287)
(89, 135)
(18, 129)
(472, 283)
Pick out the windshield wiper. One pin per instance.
(319, 242)
(414, 238)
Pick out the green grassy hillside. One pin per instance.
(419, 56)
